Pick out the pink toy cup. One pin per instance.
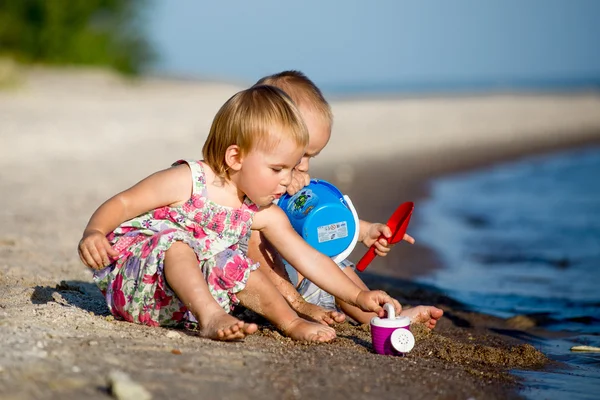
(391, 336)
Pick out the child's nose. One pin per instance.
(286, 179)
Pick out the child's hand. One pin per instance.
(382, 247)
(373, 300)
(299, 180)
(95, 250)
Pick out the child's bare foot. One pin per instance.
(426, 315)
(319, 314)
(300, 329)
(222, 326)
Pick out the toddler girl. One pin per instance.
(166, 251)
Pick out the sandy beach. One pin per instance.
(71, 139)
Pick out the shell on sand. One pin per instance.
(585, 348)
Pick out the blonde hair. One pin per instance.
(302, 91)
(260, 116)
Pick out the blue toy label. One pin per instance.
(333, 231)
(302, 203)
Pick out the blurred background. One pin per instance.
(389, 46)
(433, 102)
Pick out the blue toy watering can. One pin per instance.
(324, 217)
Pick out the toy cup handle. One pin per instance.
(344, 254)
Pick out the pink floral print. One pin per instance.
(134, 285)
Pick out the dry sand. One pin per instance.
(70, 139)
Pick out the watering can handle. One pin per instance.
(389, 309)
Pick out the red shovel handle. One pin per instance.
(367, 258)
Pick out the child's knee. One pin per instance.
(179, 251)
(179, 247)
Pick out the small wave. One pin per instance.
(492, 259)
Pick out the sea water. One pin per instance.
(523, 238)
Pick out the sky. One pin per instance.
(381, 42)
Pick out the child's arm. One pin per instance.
(369, 232)
(167, 187)
(317, 267)
(262, 252)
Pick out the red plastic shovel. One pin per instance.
(398, 223)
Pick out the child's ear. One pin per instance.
(233, 157)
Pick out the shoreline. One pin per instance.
(396, 272)
(71, 141)
(411, 177)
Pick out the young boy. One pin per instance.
(308, 299)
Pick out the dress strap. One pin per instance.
(198, 177)
(249, 204)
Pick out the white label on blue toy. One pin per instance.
(337, 230)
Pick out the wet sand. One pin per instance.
(70, 140)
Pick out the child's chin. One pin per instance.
(262, 202)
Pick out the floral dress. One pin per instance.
(134, 285)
